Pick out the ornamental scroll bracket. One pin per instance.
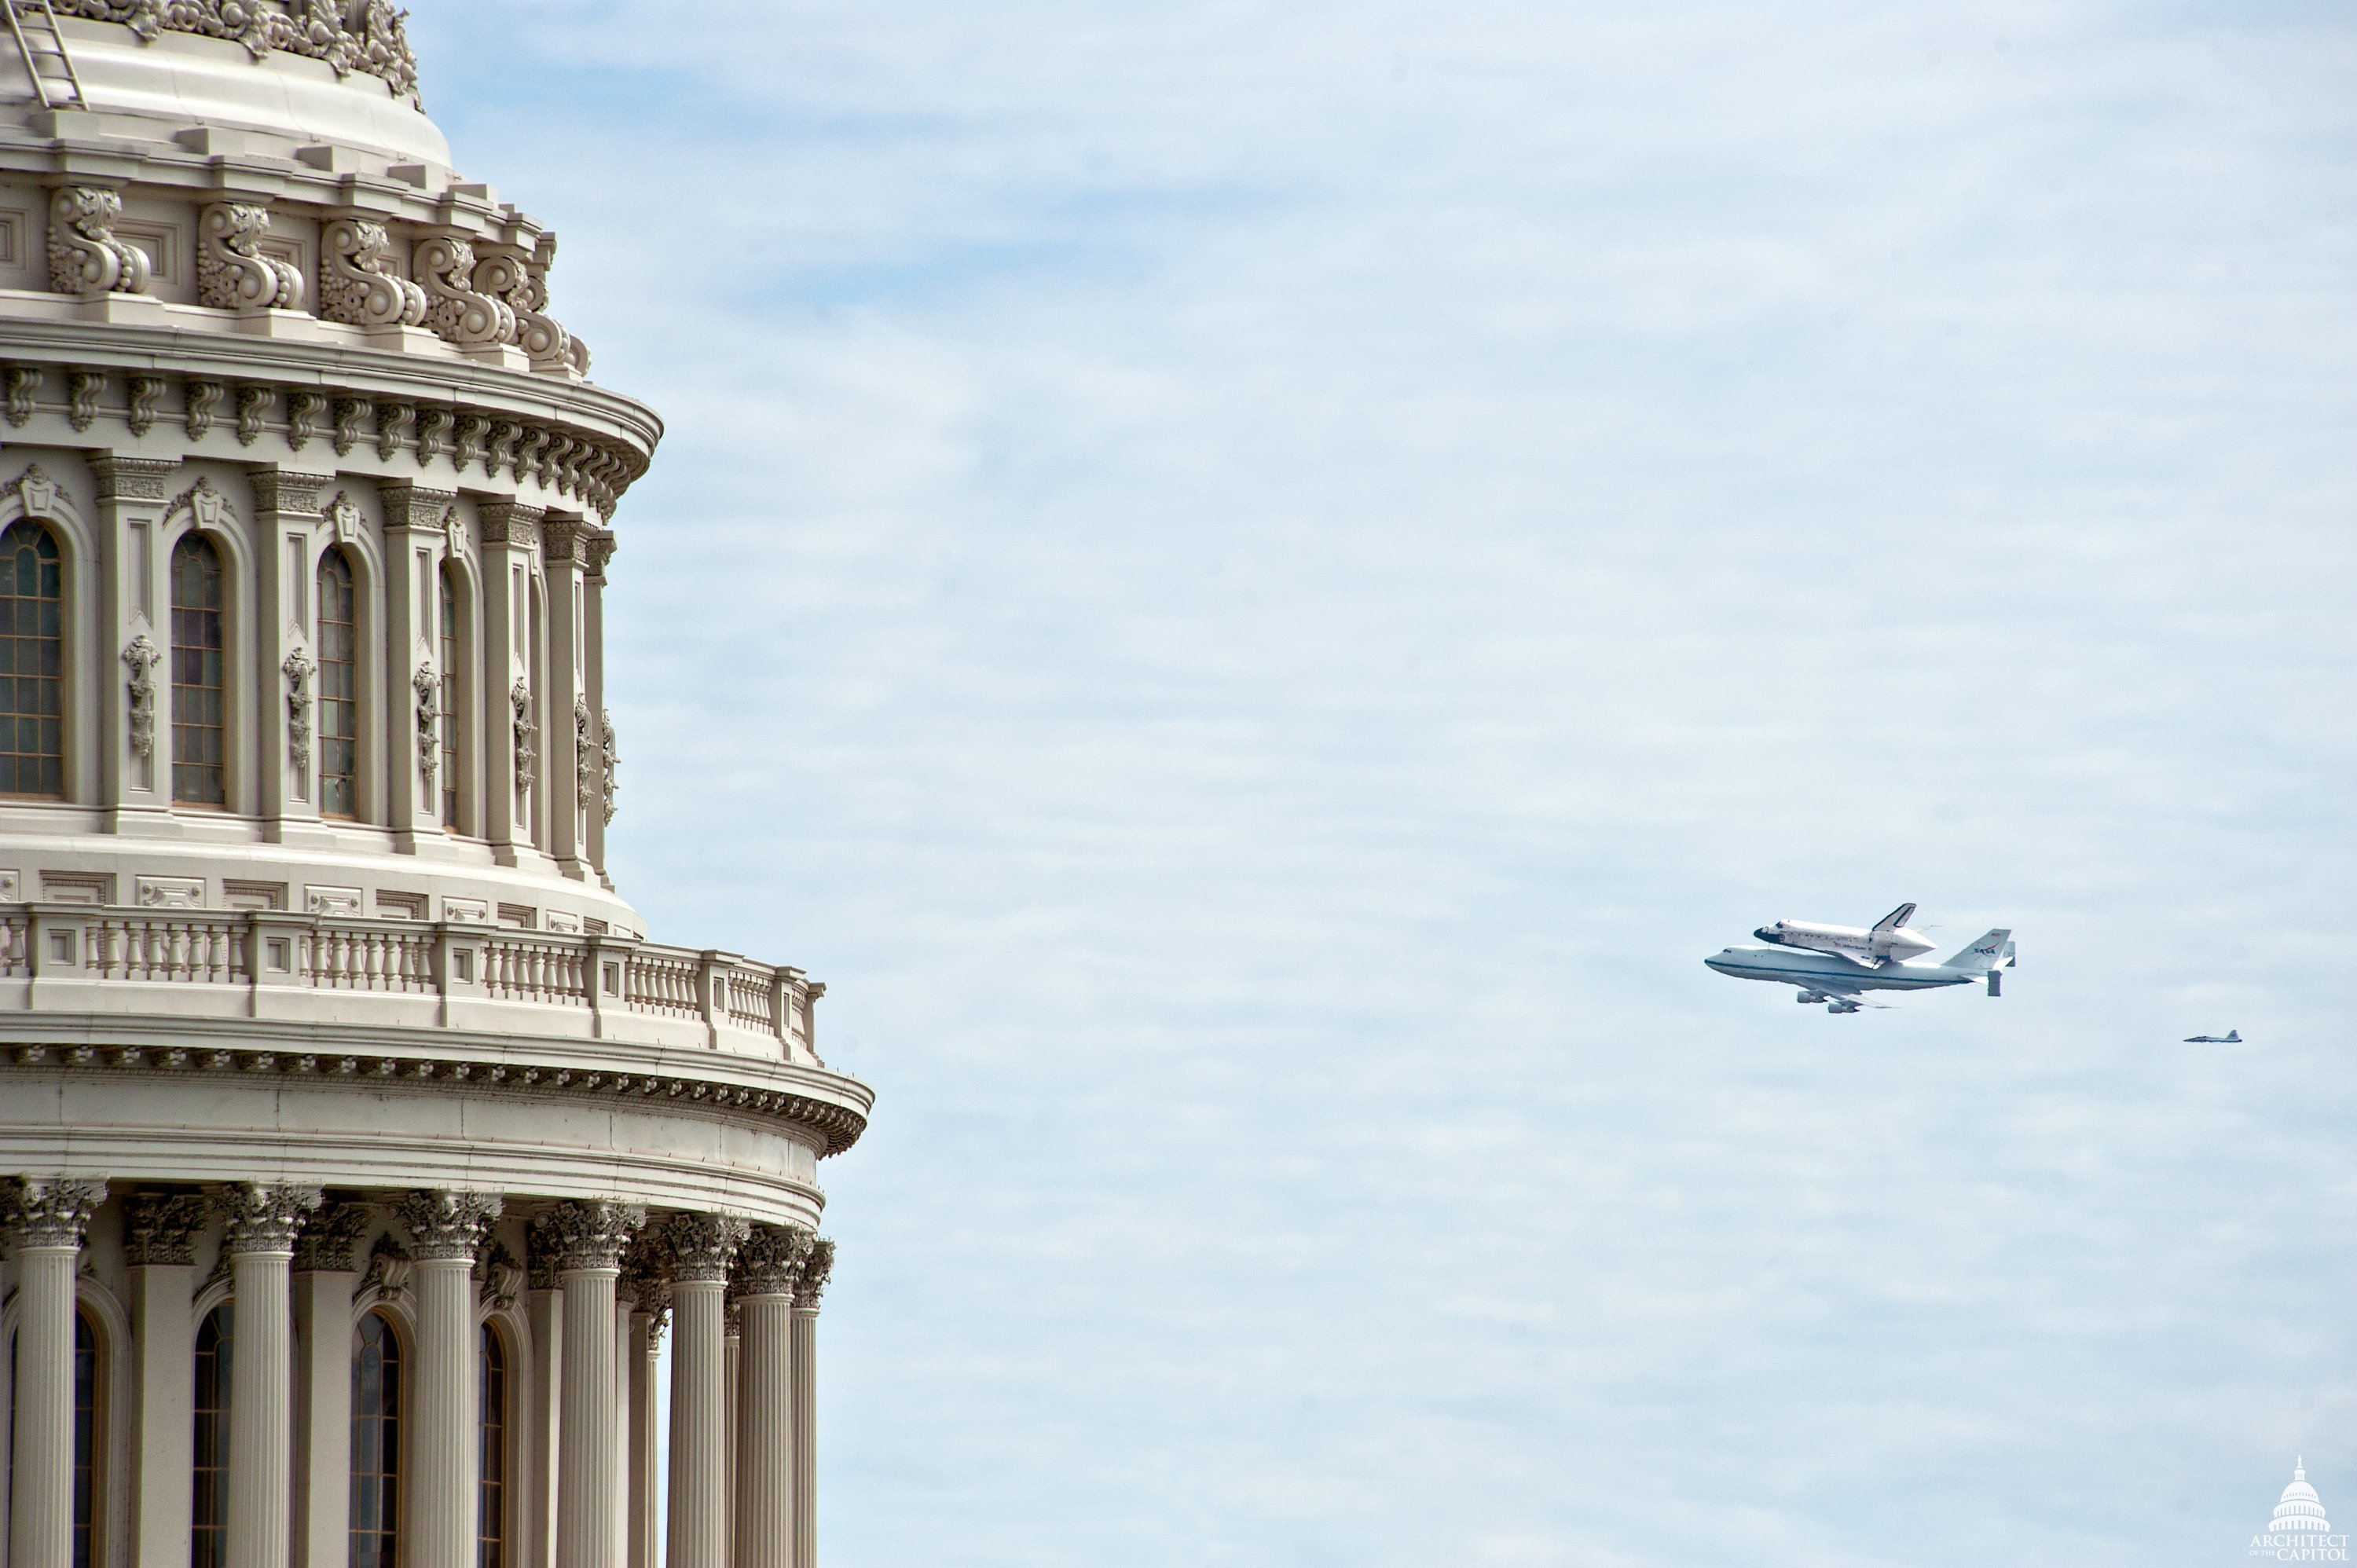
(428, 687)
(526, 759)
(140, 657)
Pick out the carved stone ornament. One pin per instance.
(262, 1217)
(24, 390)
(586, 1235)
(303, 411)
(201, 397)
(358, 284)
(503, 1276)
(386, 1277)
(345, 513)
(253, 408)
(145, 392)
(287, 492)
(36, 490)
(203, 503)
(455, 530)
(584, 754)
(50, 1213)
(702, 1246)
(446, 1226)
(510, 274)
(472, 428)
(526, 757)
(394, 422)
(325, 1244)
(456, 310)
(771, 1261)
(140, 657)
(646, 1274)
(428, 687)
(85, 258)
(366, 37)
(816, 1268)
(433, 424)
(160, 1229)
(83, 388)
(232, 274)
(543, 259)
(298, 669)
(611, 762)
(351, 414)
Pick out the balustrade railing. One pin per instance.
(581, 976)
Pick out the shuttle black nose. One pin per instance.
(1765, 934)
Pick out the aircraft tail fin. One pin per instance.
(1986, 953)
(2233, 1037)
(1893, 920)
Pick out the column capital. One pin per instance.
(816, 1268)
(586, 1236)
(51, 1211)
(161, 1228)
(700, 1247)
(262, 1217)
(562, 538)
(122, 479)
(771, 1261)
(510, 523)
(287, 491)
(325, 1244)
(412, 505)
(598, 547)
(446, 1226)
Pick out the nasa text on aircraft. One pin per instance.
(1838, 964)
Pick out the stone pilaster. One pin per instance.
(134, 710)
(516, 770)
(285, 516)
(262, 1225)
(769, 1271)
(325, 1276)
(701, 1247)
(417, 539)
(438, 1510)
(160, 1243)
(816, 1267)
(46, 1219)
(584, 1242)
(597, 550)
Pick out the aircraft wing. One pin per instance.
(1863, 961)
(1896, 918)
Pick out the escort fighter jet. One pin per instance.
(1841, 982)
(2230, 1037)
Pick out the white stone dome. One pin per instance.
(2300, 1512)
(267, 77)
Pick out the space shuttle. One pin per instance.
(1887, 940)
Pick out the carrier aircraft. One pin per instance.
(1840, 980)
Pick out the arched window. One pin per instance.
(85, 1442)
(208, 1515)
(450, 689)
(491, 1469)
(376, 1444)
(32, 664)
(339, 688)
(199, 676)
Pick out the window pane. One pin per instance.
(32, 663)
(208, 1515)
(198, 689)
(376, 1444)
(338, 725)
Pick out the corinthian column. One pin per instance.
(769, 1271)
(701, 1248)
(585, 1240)
(262, 1222)
(439, 1519)
(816, 1269)
(48, 1217)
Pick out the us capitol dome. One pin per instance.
(2300, 1512)
(358, 1140)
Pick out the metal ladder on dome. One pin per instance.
(47, 59)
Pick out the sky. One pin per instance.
(1255, 585)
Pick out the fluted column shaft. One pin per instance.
(438, 1512)
(766, 1483)
(815, 1271)
(701, 1248)
(586, 1240)
(50, 1220)
(262, 1372)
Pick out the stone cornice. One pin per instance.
(838, 1124)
